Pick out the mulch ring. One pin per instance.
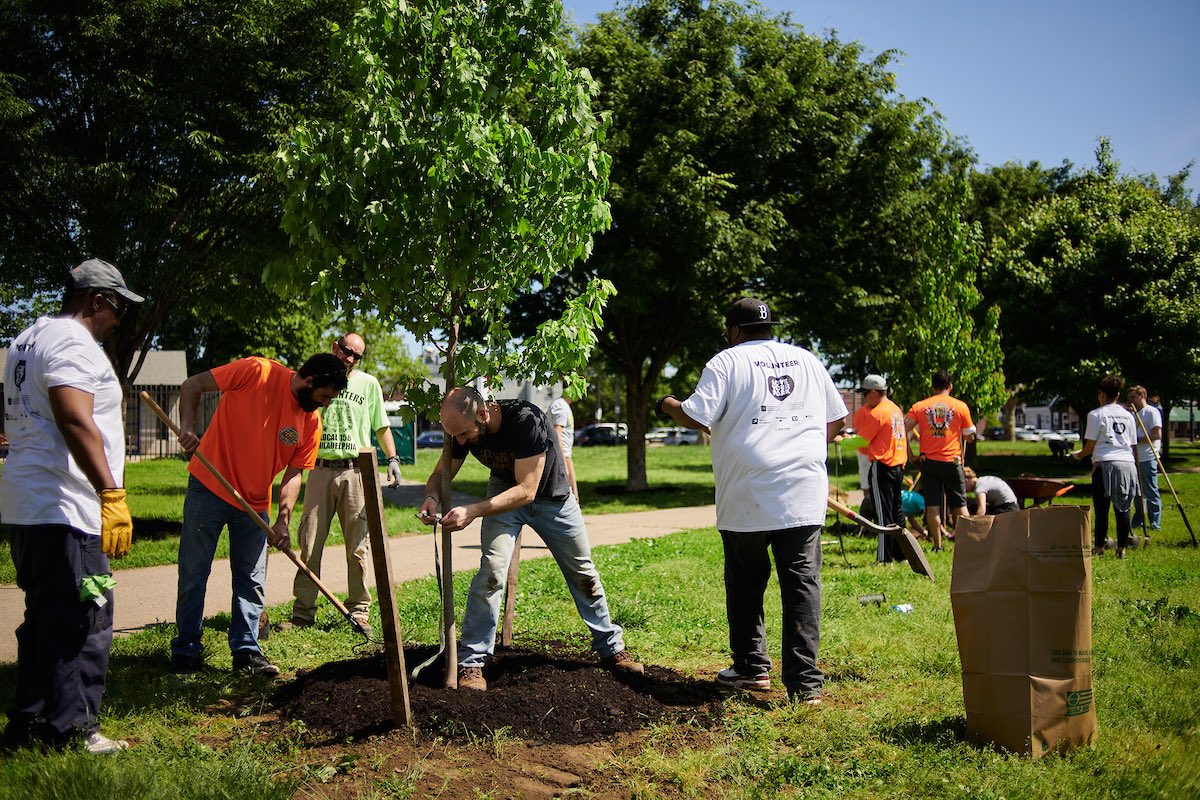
(551, 695)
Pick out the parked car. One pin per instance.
(1069, 436)
(602, 433)
(431, 439)
(994, 433)
(684, 436)
(658, 435)
(1049, 435)
(1028, 435)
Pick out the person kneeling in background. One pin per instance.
(989, 494)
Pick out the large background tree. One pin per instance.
(143, 133)
(1103, 276)
(463, 166)
(748, 156)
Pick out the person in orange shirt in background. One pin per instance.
(266, 420)
(881, 423)
(942, 423)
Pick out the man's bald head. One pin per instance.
(349, 348)
(464, 414)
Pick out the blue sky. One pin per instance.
(1024, 81)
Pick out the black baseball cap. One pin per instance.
(748, 312)
(96, 274)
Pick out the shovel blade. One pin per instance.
(914, 554)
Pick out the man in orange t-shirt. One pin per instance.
(942, 423)
(881, 423)
(266, 420)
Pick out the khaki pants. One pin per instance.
(329, 490)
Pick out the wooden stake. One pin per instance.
(393, 642)
(510, 594)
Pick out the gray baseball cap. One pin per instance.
(873, 381)
(97, 274)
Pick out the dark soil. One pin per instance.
(552, 695)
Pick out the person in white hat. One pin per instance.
(881, 423)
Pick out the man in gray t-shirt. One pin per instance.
(993, 495)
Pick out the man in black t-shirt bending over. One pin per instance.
(528, 486)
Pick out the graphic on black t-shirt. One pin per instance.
(524, 432)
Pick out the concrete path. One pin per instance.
(146, 596)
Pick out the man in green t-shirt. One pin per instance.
(335, 485)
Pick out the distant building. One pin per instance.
(163, 372)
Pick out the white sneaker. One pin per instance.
(100, 744)
(757, 683)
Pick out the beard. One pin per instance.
(305, 397)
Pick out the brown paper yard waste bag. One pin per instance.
(1021, 591)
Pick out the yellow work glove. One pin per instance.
(116, 526)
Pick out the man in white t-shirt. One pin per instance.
(1109, 438)
(63, 500)
(1149, 444)
(564, 427)
(772, 409)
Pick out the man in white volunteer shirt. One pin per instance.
(564, 427)
(772, 409)
(63, 501)
(1109, 438)
(1148, 446)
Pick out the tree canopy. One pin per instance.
(142, 133)
(1102, 276)
(748, 156)
(464, 165)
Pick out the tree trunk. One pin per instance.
(1166, 430)
(637, 405)
(1008, 417)
(448, 615)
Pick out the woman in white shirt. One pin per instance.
(1109, 438)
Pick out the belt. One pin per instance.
(337, 463)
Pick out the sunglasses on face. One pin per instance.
(349, 353)
(119, 309)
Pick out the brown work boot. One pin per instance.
(622, 662)
(471, 678)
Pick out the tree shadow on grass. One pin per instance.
(942, 732)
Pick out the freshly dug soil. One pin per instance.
(551, 695)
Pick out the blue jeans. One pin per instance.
(1148, 478)
(560, 524)
(204, 515)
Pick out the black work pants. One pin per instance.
(63, 643)
(1100, 502)
(886, 483)
(797, 554)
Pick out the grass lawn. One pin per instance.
(892, 727)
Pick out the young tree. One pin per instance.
(142, 133)
(464, 166)
(944, 324)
